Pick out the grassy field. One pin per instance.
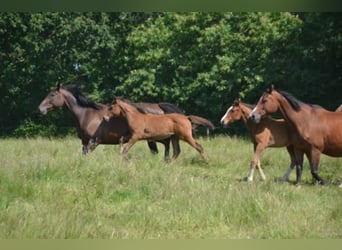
(49, 190)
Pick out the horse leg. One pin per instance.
(166, 143)
(299, 165)
(87, 145)
(314, 157)
(175, 146)
(293, 163)
(84, 149)
(129, 144)
(92, 144)
(196, 146)
(261, 172)
(153, 147)
(122, 140)
(254, 163)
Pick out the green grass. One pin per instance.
(49, 190)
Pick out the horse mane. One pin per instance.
(294, 102)
(165, 106)
(81, 99)
(251, 106)
(121, 98)
(170, 108)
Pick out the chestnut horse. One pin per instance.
(89, 118)
(268, 133)
(319, 130)
(155, 127)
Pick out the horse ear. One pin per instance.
(58, 86)
(270, 88)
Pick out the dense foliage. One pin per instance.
(200, 61)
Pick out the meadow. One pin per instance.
(48, 190)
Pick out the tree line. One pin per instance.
(199, 61)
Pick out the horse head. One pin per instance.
(233, 113)
(113, 110)
(267, 104)
(53, 100)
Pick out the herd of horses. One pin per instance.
(304, 130)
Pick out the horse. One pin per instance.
(268, 133)
(89, 118)
(159, 109)
(155, 127)
(319, 130)
(339, 109)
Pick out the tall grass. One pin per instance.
(49, 190)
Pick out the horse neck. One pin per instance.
(129, 111)
(296, 119)
(245, 111)
(76, 110)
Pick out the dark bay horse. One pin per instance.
(154, 127)
(319, 129)
(89, 117)
(268, 133)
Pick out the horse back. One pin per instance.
(326, 132)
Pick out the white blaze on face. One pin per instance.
(225, 115)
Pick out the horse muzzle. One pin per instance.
(43, 110)
(255, 117)
(106, 118)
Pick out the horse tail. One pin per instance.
(169, 108)
(197, 120)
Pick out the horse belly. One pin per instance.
(155, 134)
(333, 143)
(333, 150)
(112, 132)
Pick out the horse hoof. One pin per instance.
(284, 180)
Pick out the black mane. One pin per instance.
(121, 98)
(251, 106)
(294, 102)
(82, 100)
(170, 108)
(166, 107)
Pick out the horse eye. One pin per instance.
(264, 101)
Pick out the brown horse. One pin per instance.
(268, 133)
(89, 118)
(154, 127)
(319, 130)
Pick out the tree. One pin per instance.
(199, 61)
